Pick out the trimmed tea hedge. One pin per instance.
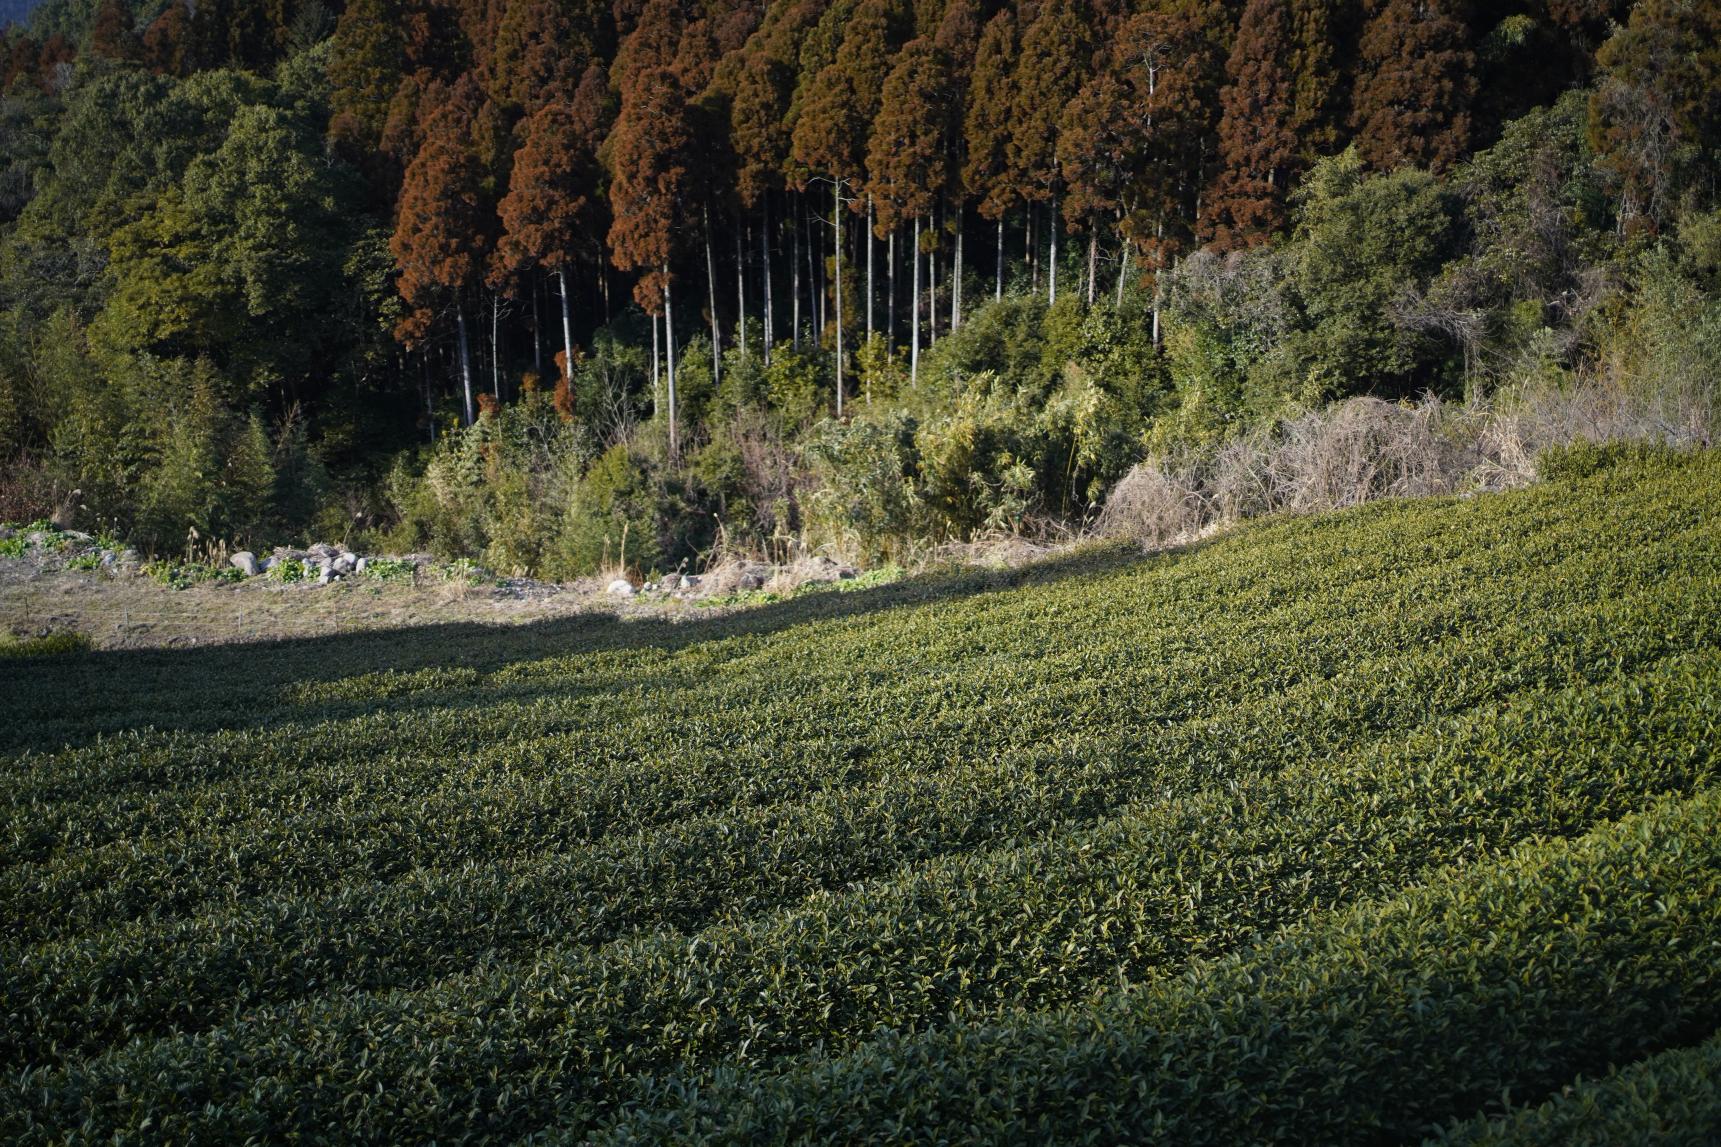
(1368, 1026)
(1668, 1100)
(528, 883)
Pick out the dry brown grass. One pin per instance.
(1365, 449)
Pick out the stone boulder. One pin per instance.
(246, 563)
(620, 587)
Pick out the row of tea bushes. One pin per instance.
(1367, 1026)
(1048, 922)
(1672, 1099)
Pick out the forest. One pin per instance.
(565, 284)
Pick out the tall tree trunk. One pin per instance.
(914, 312)
(656, 371)
(956, 275)
(998, 268)
(567, 327)
(1052, 276)
(1033, 249)
(537, 330)
(465, 361)
(765, 270)
(1159, 235)
(932, 285)
(815, 286)
(1093, 260)
(741, 286)
(1122, 268)
(869, 291)
(669, 360)
(890, 304)
(795, 280)
(837, 260)
(429, 396)
(496, 344)
(711, 296)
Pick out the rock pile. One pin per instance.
(321, 563)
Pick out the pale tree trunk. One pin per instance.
(1122, 268)
(495, 344)
(1033, 241)
(656, 371)
(1052, 277)
(465, 361)
(932, 289)
(711, 295)
(890, 305)
(765, 270)
(914, 312)
(869, 292)
(956, 276)
(1159, 233)
(794, 281)
(815, 284)
(1093, 260)
(669, 362)
(537, 332)
(429, 396)
(837, 260)
(998, 268)
(740, 287)
(567, 326)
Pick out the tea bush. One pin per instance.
(1272, 833)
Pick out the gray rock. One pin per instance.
(751, 580)
(359, 565)
(246, 563)
(670, 583)
(621, 587)
(324, 550)
(345, 563)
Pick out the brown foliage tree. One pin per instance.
(986, 119)
(443, 223)
(1415, 84)
(1257, 136)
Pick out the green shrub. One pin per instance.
(1673, 1098)
(1370, 1025)
(1585, 459)
(51, 645)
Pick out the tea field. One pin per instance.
(1393, 825)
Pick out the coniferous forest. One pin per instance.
(529, 280)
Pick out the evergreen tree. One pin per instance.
(1056, 54)
(1655, 117)
(367, 62)
(908, 160)
(648, 191)
(986, 130)
(113, 35)
(443, 222)
(1257, 135)
(1416, 80)
(551, 214)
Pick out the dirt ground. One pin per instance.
(128, 611)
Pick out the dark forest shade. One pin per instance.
(614, 200)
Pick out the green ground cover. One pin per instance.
(1359, 828)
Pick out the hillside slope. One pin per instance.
(1335, 829)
